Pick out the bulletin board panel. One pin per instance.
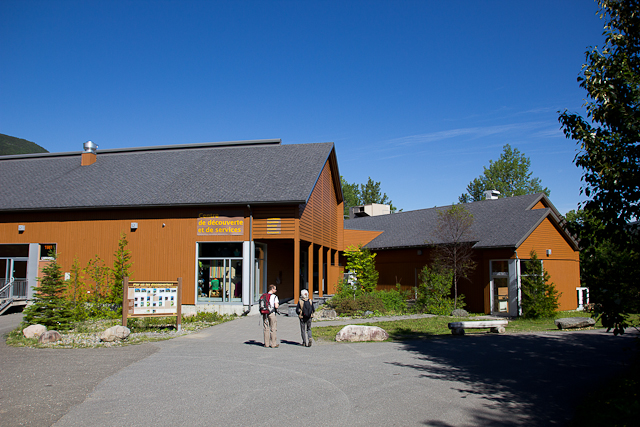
(151, 299)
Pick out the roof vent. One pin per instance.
(90, 147)
(491, 194)
(89, 153)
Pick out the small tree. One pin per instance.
(361, 262)
(49, 307)
(453, 249)
(434, 291)
(121, 268)
(539, 295)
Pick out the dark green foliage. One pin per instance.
(394, 300)
(121, 268)
(363, 194)
(362, 264)
(358, 305)
(609, 154)
(49, 308)
(434, 292)
(510, 175)
(10, 145)
(539, 295)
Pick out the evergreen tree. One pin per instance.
(49, 308)
(121, 268)
(539, 294)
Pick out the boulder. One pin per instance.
(34, 331)
(115, 333)
(49, 336)
(327, 313)
(458, 312)
(574, 322)
(353, 333)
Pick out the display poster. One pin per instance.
(154, 299)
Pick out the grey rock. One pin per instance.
(34, 331)
(49, 336)
(115, 333)
(458, 312)
(574, 322)
(327, 313)
(368, 313)
(354, 333)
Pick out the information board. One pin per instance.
(148, 298)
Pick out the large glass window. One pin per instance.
(220, 272)
(500, 280)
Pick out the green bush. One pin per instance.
(539, 295)
(358, 305)
(393, 300)
(434, 292)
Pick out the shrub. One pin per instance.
(539, 295)
(434, 292)
(358, 305)
(393, 300)
(361, 262)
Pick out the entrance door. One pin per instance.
(500, 285)
(13, 271)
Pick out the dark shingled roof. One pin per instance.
(505, 222)
(245, 172)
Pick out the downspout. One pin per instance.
(251, 260)
(519, 284)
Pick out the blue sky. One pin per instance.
(418, 95)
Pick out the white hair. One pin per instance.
(304, 293)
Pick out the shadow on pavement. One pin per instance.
(538, 379)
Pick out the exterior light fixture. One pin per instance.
(548, 252)
(134, 226)
(21, 228)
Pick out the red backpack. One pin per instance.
(264, 304)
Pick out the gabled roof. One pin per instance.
(505, 222)
(230, 173)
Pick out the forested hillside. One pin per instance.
(12, 145)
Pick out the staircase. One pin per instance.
(7, 304)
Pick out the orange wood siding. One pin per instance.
(539, 205)
(359, 237)
(284, 215)
(319, 218)
(162, 248)
(563, 264)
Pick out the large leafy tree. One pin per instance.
(609, 153)
(454, 244)
(510, 175)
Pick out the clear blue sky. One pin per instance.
(418, 95)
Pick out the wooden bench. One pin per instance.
(497, 326)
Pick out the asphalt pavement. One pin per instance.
(223, 376)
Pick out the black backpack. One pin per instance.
(264, 304)
(307, 309)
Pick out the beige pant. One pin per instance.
(270, 327)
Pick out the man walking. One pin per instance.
(269, 321)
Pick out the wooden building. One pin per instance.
(228, 218)
(504, 233)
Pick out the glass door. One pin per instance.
(500, 284)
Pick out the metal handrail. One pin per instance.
(14, 289)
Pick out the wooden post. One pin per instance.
(320, 269)
(125, 300)
(310, 269)
(179, 314)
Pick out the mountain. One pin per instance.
(12, 145)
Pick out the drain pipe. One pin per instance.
(251, 261)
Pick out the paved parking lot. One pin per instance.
(223, 376)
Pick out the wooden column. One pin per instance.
(320, 268)
(296, 268)
(310, 269)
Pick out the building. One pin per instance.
(504, 233)
(229, 218)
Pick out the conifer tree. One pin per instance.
(49, 307)
(539, 294)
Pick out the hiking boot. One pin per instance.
(310, 342)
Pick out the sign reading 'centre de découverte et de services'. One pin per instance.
(220, 224)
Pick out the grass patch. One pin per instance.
(429, 327)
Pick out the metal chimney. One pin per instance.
(90, 147)
(491, 194)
